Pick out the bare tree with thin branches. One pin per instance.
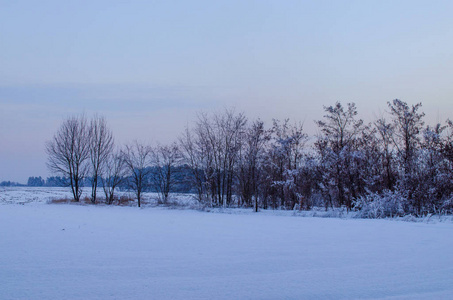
(339, 133)
(101, 146)
(137, 159)
(408, 124)
(114, 173)
(68, 152)
(250, 161)
(194, 155)
(165, 158)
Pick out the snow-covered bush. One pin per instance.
(377, 206)
(447, 207)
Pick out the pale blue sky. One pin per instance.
(149, 66)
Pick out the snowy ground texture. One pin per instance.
(63, 251)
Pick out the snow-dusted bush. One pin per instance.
(447, 207)
(377, 206)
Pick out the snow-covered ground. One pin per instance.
(51, 251)
(34, 195)
(22, 195)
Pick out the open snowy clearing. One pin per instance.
(101, 252)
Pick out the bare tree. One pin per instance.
(114, 173)
(69, 151)
(447, 153)
(137, 159)
(447, 147)
(408, 124)
(283, 160)
(194, 155)
(250, 160)
(101, 146)
(221, 138)
(233, 131)
(336, 145)
(385, 131)
(432, 182)
(165, 158)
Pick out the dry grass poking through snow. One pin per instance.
(118, 201)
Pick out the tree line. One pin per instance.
(392, 166)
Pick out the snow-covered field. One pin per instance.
(51, 251)
(24, 195)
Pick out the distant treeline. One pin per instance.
(38, 181)
(11, 183)
(50, 181)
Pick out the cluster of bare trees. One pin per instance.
(84, 149)
(237, 162)
(212, 150)
(348, 164)
(398, 158)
